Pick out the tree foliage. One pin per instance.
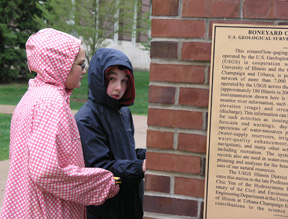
(16, 25)
(93, 21)
(144, 26)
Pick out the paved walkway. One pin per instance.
(140, 123)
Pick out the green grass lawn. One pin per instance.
(140, 106)
(4, 136)
(10, 94)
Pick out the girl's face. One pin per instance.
(76, 74)
(117, 85)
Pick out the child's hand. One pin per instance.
(144, 166)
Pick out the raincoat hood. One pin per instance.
(100, 62)
(51, 54)
(46, 157)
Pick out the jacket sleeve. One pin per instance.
(128, 119)
(98, 154)
(56, 161)
(141, 153)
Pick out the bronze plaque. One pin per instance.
(247, 147)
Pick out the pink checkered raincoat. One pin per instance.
(47, 177)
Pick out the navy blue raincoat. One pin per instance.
(107, 135)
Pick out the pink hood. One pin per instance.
(51, 54)
(47, 175)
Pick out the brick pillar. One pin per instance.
(179, 93)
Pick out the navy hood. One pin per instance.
(101, 60)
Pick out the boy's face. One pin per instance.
(117, 85)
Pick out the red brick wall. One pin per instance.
(178, 96)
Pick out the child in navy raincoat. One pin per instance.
(107, 133)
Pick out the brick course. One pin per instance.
(158, 139)
(196, 51)
(194, 97)
(192, 142)
(172, 206)
(175, 118)
(165, 7)
(161, 94)
(157, 183)
(164, 50)
(177, 73)
(177, 28)
(211, 8)
(258, 9)
(174, 163)
(189, 187)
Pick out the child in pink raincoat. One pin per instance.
(47, 177)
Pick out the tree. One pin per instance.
(93, 21)
(144, 27)
(16, 25)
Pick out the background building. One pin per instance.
(131, 44)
